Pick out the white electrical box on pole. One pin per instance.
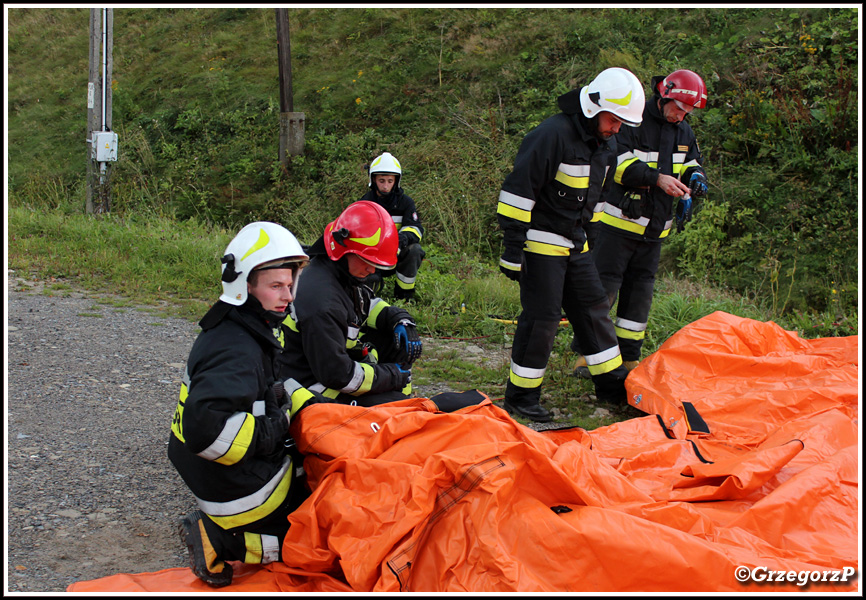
(103, 142)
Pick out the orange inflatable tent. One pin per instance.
(743, 478)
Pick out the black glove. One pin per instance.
(407, 341)
(272, 427)
(401, 377)
(406, 376)
(698, 185)
(511, 262)
(403, 239)
(632, 205)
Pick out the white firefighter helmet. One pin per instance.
(259, 245)
(616, 91)
(386, 163)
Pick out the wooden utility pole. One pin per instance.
(101, 142)
(291, 123)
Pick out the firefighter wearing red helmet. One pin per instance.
(343, 341)
(659, 174)
(554, 190)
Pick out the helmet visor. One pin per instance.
(684, 107)
(372, 264)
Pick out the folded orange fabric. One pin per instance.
(742, 478)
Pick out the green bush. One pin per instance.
(451, 94)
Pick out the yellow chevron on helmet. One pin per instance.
(617, 91)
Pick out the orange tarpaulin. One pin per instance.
(742, 478)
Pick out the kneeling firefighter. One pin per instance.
(343, 341)
(229, 436)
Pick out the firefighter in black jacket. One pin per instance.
(555, 188)
(344, 342)
(385, 177)
(230, 428)
(658, 162)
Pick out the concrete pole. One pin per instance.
(292, 123)
(98, 199)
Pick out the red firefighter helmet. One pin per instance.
(684, 86)
(366, 230)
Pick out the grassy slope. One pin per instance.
(449, 91)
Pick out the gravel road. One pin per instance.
(91, 387)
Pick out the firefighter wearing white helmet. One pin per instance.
(561, 170)
(230, 428)
(386, 174)
(659, 166)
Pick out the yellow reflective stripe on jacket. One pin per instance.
(325, 391)
(376, 308)
(509, 265)
(604, 361)
(525, 377)
(255, 506)
(298, 394)
(613, 216)
(692, 163)
(515, 207)
(412, 229)
(352, 334)
(361, 383)
(546, 249)
(574, 176)
(233, 441)
(367, 383)
(626, 159)
(177, 419)
(549, 244)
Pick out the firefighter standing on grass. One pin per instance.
(555, 187)
(658, 163)
(230, 429)
(385, 177)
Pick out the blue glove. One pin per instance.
(684, 212)
(407, 340)
(698, 184)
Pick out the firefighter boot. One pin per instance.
(534, 412)
(610, 387)
(581, 369)
(401, 294)
(204, 559)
